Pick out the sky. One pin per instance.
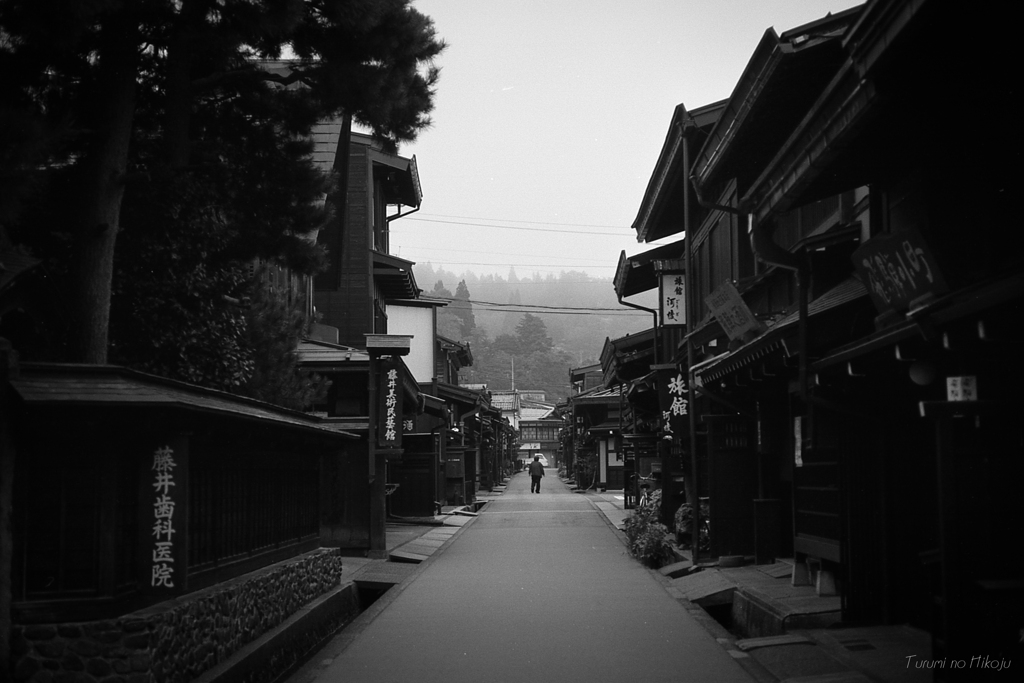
(550, 115)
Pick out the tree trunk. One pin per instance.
(111, 111)
(178, 106)
(7, 366)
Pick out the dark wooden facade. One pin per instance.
(351, 295)
(132, 489)
(864, 414)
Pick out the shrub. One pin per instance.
(684, 524)
(647, 539)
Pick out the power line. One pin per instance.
(540, 306)
(527, 265)
(514, 220)
(588, 233)
(620, 314)
(472, 251)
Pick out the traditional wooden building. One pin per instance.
(362, 274)
(846, 302)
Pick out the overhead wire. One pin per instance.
(541, 307)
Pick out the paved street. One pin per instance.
(537, 588)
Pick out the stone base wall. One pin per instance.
(175, 641)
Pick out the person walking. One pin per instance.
(536, 472)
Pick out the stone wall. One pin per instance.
(175, 641)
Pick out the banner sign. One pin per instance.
(673, 299)
(389, 431)
(731, 311)
(674, 401)
(897, 269)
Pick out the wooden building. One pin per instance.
(850, 367)
(105, 456)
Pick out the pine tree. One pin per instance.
(108, 95)
(532, 334)
(463, 309)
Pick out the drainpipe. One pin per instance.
(769, 252)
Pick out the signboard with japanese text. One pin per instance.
(673, 299)
(731, 311)
(389, 413)
(898, 268)
(674, 402)
(963, 388)
(164, 469)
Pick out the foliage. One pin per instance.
(185, 307)
(647, 539)
(175, 299)
(102, 97)
(274, 328)
(463, 310)
(532, 334)
(684, 522)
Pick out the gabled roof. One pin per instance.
(781, 81)
(505, 400)
(662, 209)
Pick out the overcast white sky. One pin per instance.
(550, 115)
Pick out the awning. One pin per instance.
(627, 357)
(465, 398)
(636, 274)
(944, 310)
(433, 405)
(327, 357)
(403, 174)
(394, 277)
(782, 336)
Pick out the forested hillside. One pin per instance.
(502, 319)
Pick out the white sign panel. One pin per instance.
(673, 299)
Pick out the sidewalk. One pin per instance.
(804, 639)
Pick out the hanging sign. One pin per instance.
(963, 388)
(673, 299)
(389, 428)
(731, 311)
(898, 268)
(674, 401)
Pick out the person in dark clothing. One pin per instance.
(536, 472)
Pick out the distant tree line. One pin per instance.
(527, 355)
(579, 338)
